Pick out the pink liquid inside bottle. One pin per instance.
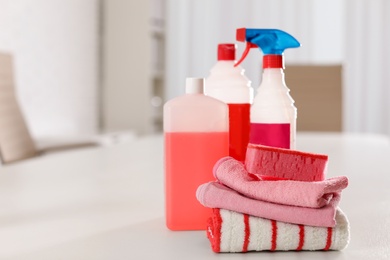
(238, 130)
(196, 137)
(185, 173)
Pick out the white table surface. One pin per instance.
(108, 203)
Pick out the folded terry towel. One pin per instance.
(232, 173)
(285, 163)
(229, 231)
(216, 195)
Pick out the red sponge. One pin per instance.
(282, 163)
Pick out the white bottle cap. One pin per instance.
(194, 85)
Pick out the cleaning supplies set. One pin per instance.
(230, 164)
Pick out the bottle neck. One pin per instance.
(274, 76)
(226, 62)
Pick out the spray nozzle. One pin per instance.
(270, 41)
(248, 47)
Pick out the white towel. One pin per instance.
(230, 231)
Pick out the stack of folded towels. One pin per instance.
(278, 200)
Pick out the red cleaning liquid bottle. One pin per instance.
(196, 134)
(229, 84)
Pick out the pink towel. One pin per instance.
(230, 231)
(285, 163)
(232, 173)
(216, 195)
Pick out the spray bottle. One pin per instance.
(229, 84)
(273, 114)
(196, 135)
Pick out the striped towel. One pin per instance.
(230, 231)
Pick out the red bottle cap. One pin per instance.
(273, 61)
(226, 51)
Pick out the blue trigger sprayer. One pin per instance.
(273, 114)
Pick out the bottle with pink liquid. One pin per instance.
(196, 135)
(273, 113)
(229, 84)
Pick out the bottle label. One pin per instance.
(276, 135)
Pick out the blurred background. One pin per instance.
(94, 67)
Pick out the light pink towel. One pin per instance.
(216, 195)
(232, 174)
(229, 231)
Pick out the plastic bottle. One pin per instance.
(273, 114)
(229, 84)
(196, 135)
